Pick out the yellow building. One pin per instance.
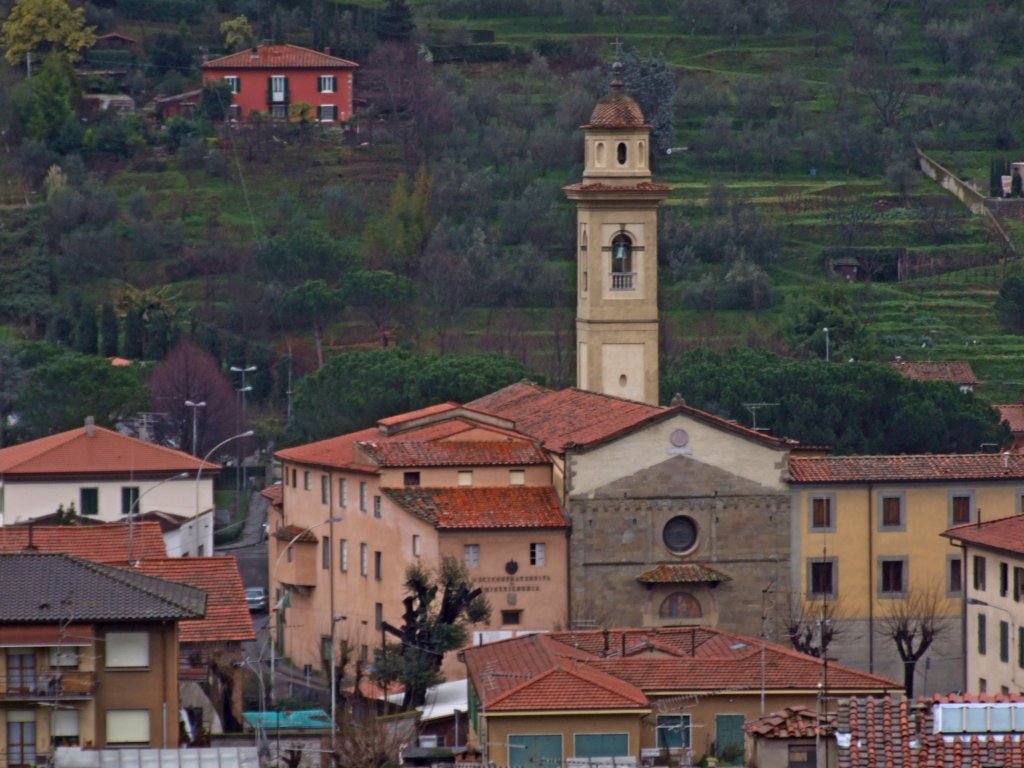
(866, 544)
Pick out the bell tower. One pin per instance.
(617, 253)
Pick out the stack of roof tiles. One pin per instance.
(791, 723)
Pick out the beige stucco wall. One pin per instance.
(651, 445)
(23, 501)
(482, 476)
(566, 725)
(540, 592)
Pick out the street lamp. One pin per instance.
(334, 681)
(825, 331)
(273, 587)
(195, 409)
(135, 507)
(199, 474)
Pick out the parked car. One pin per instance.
(256, 598)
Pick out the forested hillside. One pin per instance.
(434, 220)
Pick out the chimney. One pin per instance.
(31, 547)
(254, 53)
(90, 426)
(327, 50)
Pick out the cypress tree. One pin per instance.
(1015, 186)
(109, 331)
(86, 330)
(395, 22)
(134, 334)
(995, 178)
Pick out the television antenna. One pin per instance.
(754, 408)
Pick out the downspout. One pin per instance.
(871, 579)
(163, 675)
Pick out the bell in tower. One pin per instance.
(617, 252)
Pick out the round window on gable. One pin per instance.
(622, 153)
(680, 534)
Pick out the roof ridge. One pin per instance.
(120, 574)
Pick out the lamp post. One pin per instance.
(195, 409)
(199, 474)
(827, 351)
(277, 607)
(135, 507)
(335, 618)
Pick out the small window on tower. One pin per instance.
(622, 153)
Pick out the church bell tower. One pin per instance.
(617, 253)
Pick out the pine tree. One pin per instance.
(109, 330)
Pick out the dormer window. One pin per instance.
(622, 263)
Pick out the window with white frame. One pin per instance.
(66, 728)
(673, 731)
(376, 506)
(343, 555)
(127, 650)
(343, 492)
(362, 497)
(326, 113)
(327, 84)
(325, 489)
(465, 477)
(538, 552)
(517, 477)
(306, 481)
(364, 559)
(64, 656)
(234, 112)
(325, 553)
(471, 555)
(127, 726)
(234, 82)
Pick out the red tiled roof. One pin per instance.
(1013, 415)
(955, 371)
(430, 410)
(617, 110)
(790, 723)
(567, 686)
(295, 533)
(107, 544)
(274, 494)
(517, 506)
(682, 573)
(105, 452)
(600, 186)
(279, 57)
(455, 453)
(930, 467)
(575, 417)
(658, 661)
(897, 733)
(1005, 534)
(227, 615)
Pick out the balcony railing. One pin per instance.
(623, 281)
(50, 684)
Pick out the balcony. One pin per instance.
(49, 684)
(623, 281)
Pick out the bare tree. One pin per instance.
(812, 626)
(913, 624)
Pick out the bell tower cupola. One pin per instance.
(617, 252)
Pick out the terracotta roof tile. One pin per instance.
(1005, 534)
(617, 110)
(516, 506)
(107, 543)
(105, 452)
(279, 57)
(893, 732)
(570, 685)
(295, 533)
(274, 494)
(682, 573)
(930, 467)
(455, 453)
(790, 723)
(657, 661)
(1013, 415)
(227, 614)
(955, 371)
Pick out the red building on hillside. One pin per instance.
(271, 78)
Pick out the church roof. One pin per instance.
(617, 110)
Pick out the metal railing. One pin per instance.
(47, 685)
